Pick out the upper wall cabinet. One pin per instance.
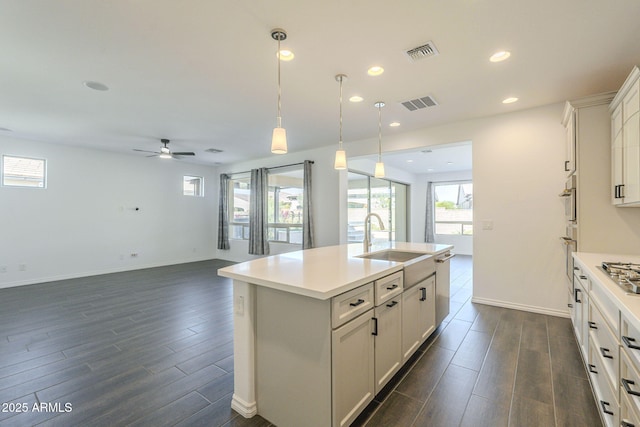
(569, 122)
(625, 143)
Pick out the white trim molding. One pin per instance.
(522, 307)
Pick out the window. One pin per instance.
(193, 186)
(23, 172)
(284, 206)
(454, 208)
(386, 198)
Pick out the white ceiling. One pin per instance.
(203, 72)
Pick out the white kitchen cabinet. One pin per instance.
(625, 143)
(388, 335)
(570, 140)
(418, 315)
(352, 360)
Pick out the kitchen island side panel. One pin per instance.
(293, 358)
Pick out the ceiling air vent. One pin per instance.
(426, 50)
(213, 150)
(420, 103)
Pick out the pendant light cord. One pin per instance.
(279, 88)
(340, 141)
(379, 132)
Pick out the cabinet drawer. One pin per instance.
(608, 308)
(580, 277)
(606, 398)
(628, 416)
(630, 341)
(388, 287)
(631, 102)
(629, 382)
(349, 305)
(605, 344)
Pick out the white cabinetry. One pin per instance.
(418, 315)
(625, 142)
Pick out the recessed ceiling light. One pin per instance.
(375, 70)
(509, 100)
(394, 124)
(96, 85)
(285, 55)
(500, 56)
(449, 163)
(409, 161)
(356, 98)
(430, 170)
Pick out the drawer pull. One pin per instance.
(604, 352)
(592, 325)
(375, 326)
(628, 341)
(583, 277)
(394, 286)
(393, 303)
(570, 305)
(592, 369)
(575, 296)
(624, 423)
(626, 384)
(423, 293)
(604, 407)
(357, 303)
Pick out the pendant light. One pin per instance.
(279, 139)
(379, 171)
(341, 157)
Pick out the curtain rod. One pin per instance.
(273, 167)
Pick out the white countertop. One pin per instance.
(323, 272)
(629, 304)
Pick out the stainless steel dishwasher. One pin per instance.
(443, 278)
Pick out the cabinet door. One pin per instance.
(388, 341)
(631, 159)
(578, 295)
(410, 321)
(352, 373)
(617, 179)
(570, 163)
(427, 311)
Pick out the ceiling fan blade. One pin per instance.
(145, 151)
(184, 153)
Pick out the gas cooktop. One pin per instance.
(624, 274)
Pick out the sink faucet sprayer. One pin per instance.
(367, 232)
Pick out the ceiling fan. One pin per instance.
(165, 153)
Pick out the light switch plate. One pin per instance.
(487, 224)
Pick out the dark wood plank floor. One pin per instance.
(154, 348)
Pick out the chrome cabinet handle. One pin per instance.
(445, 259)
(626, 384)
(628, 340)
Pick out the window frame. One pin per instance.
(200, 187)
(464, 225)
(3, 172)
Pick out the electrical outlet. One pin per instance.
(134, 254)
(22, 267)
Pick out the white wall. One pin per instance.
(84, 222)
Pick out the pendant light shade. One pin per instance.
(340, 162)
(279, 138)
(379, 171)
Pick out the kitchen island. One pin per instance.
(318, 332)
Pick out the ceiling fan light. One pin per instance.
(165, 155)
(379, 171)
(341, 160)
(279, 141)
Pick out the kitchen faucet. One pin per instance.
(367, 232)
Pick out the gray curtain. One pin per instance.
(307, 220)
(429, 234)
(258, 225)
(223, 213)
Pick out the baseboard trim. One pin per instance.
(523, 307)
(247, 410)
(39, 280)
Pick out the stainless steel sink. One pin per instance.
(417, 266)
(391, 255)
